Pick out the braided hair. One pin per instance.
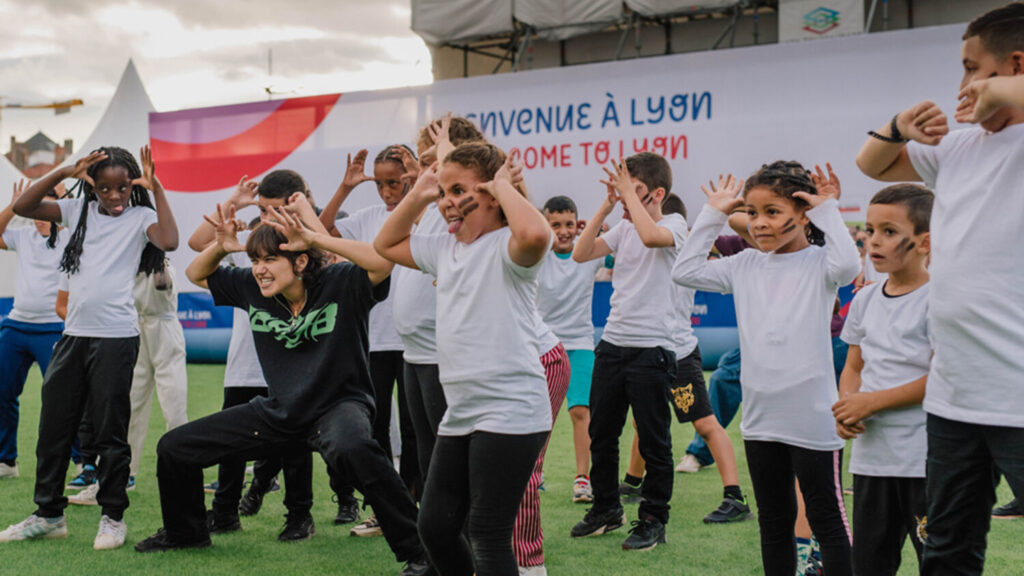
(51, 238)
(784, 178)
(152, 257)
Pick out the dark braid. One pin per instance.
(51, 240)
(784, 178)
(152, 257)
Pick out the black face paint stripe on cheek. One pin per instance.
(903, 245)
(464, 202)
(467, 209)
(789, 226)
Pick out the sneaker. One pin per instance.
(582, 491)
(86, 497)
(645, 534)
(299, 528)
(630, 494)
(252, 501)
(222, 524)
(366, 528)
(418, 567)
(131, 484)
(596, 523)
(814, 567)
(160, 542)
(8, 470)
(210, 488)
(87, 477)
(689, 464)
(275, 486)
(533, 570)
(541, 487)
(110, 535)
(1009, 511)
(348, 511)
(731, 510)
(35, 527)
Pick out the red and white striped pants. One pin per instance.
(527, 537)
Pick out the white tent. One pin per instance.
(8, 176)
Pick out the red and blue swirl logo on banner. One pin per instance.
(206, 149)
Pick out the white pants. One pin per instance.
(161, 365)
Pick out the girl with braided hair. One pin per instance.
(784, 294)
(116, 233)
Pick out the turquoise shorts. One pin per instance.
(581, 362)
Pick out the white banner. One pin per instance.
(814, 19)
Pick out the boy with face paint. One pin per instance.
(883, 383)
(974, 401)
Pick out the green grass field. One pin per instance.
(692, 548)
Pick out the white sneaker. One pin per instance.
(110, 535)
(689, 464)
(533, 571)
(582, 491)
(87, 497)
(35, 527)
(367, 528)
(8, 471)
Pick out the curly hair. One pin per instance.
(784, 178)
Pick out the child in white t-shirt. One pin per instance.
(116, 233)
(499, 413)
(635, 362)
(784, 294)
(974, 399)
(29, 333)
(564, 299)
(883, 383)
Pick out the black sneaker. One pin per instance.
(252, 501)
(596, 523)
(630, 494)
(645, 534)
(222, 524)
(1009, 511)
(160, 542)
(418, 567)
(348, 511)
(731, 510)
(300, 528)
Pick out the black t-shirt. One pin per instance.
(313, 361)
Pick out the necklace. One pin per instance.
(295, 316)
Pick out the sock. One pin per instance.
(632, 480)
(584, 476)
(733, 491)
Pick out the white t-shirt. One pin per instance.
(100, 300)
(565, 299)
(643, 313)
(363, 226)
(892, 332)
(685, 339)
(977, 275)
(784, 310)
(153, 303)
(487, 349)
(243, 365)
(546, 339)
(415, 300)
(35, 293)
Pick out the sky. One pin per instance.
(192, 53)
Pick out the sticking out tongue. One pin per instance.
(454, 226)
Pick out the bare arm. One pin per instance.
(62, 304)
(857, 406)
(980, 99)
(392, 241)
(243, 196)
(531, 233)
(7, 214)
(226, 242)
(163, 234)
(32, 204)
(889, 161)
(589, 246)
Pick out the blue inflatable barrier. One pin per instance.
(207, 345)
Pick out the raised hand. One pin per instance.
(439, 130)
(19, 188)
(924, 122)
(510, 172)
(299, 238)
(979, 101)
(244, 194)
(355, 170)
(827, 186)
(724, 196)
(619, 178)
(427, 186)
(148, 179)
(80, 170)
(226, 228)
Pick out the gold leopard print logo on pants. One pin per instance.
(683, 397)
(922, 528)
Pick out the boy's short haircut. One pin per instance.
(1001, 31)
(916, 198)
(673, 204)
(282, 184)
(651, 169)
(560, 204)
(460, 131)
